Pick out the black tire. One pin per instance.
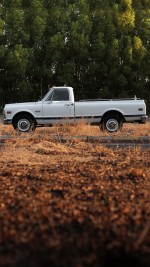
(112, 123)
(24, 123)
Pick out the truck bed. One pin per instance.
(113, 99)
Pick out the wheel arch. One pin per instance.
(23, 113)
(113, 112)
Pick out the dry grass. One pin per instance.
(73, 203)
(83, 129)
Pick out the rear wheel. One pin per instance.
(112, 123)
(24, 123)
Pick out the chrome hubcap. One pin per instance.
(24, 125)
(112, 125)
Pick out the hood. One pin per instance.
(20, 104)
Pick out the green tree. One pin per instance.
(101, 48)
(118, 49)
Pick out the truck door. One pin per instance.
(59, 107)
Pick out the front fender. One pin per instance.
(17, 113)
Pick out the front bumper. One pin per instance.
(7, 121)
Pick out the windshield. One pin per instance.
(47, 96)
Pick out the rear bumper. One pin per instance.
(144, 119)
(7, 121)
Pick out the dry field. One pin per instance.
(73, 203)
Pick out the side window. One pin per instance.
(60, 95)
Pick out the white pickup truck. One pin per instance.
(58, 107)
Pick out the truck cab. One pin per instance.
(58, 104)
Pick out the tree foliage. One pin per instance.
(101, 48)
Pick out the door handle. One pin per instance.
(68, 105)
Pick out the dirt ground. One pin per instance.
(73, 203)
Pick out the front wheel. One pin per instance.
(24, 123)
(112, 123)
